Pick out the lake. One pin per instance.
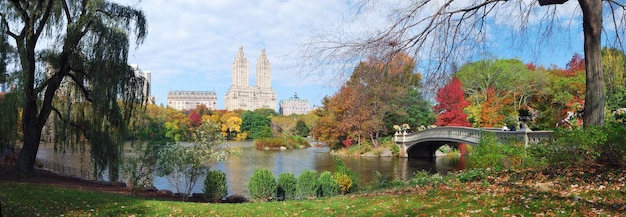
(238, 169)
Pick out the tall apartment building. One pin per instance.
(187, 100)
(294, 105)
(147, 75)
(242, 96)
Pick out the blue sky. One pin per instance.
(191, 44)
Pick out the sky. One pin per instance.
(191, 44)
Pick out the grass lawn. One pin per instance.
(504, 195)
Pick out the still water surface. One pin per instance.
(239, 169)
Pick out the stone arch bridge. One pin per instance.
(423, 144)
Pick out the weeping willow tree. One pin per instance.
(72, 56)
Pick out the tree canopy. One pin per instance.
(441, 34)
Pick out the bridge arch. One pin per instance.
(424, 143)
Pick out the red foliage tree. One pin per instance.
(451, 99)
(576, 64)
(531, 66)
(195, 118)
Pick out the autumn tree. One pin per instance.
(491, 107)
(451, 103)
(230, 124)
(376, 91)
(326, 128)
(86, 52)
(442, 33)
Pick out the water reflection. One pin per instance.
(239, 169)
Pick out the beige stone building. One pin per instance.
(187, 100)
(242, 96)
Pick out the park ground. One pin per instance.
(592, 191)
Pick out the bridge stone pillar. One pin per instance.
(403, 152)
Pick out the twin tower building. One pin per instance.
(241, 95)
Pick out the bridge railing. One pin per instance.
(472, 135)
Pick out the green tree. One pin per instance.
(301, 129)
(254, 122)
(614, 66)
(87, 53)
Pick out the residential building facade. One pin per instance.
(187, 100)
(294, 105)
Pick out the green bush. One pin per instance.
(471, 175)
(395, 149)
(489, 153)
(380, 180)
(577, 147)
(262, 185)
(307, 184)
(275, 143)
(215, 186)
(614, 150)
(327, 185)
(341, 168)
(286, 186)
(424, 178)
(297, 141)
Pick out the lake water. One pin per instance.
(239, 169)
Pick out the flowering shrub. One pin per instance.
(401, 128)
(620, 115)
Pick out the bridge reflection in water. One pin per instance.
(423, 144)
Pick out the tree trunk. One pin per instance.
(25, 165)
(594, 96)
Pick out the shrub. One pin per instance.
(286, 186)
(395, 149)
(380, 180)
(297, 141)
(341, 168)
(471, 175)
(306, 186)
(424, 178)
(262, 185)
(614, 150)
(215, 186)
(577, 147)
(344, 182)
(489, 153)
(273, 143)
(327, 185)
